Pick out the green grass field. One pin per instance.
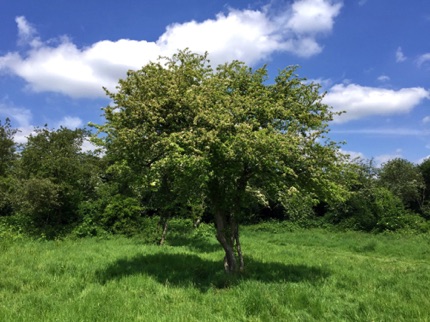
(300, 275)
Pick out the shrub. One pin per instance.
(121, 215)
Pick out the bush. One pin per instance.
(9, 229)
(39, 201)
(356, 213)
(376, 209)
(389, 210)
(121, 215)
(6, 204)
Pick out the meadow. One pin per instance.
(291, 275)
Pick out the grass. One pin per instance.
(300, 275)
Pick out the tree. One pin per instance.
(358, 210)
(7, 146)
(224, 137)
(56, 176)
(7, 158)
(404, 180)
(424, 168)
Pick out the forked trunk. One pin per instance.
(227, 234)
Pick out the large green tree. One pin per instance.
(222, 138)
(56, 175)
(7, 146)
(405, 180)
(7, 158)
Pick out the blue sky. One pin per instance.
(372, 58)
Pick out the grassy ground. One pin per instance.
(301, 275)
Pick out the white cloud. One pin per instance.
(426, 119)
(384, 158)
(78, 73)
(27, 34)
(21, 120)
(247, 35)
(353, 154)
(21, 117)
(88, 146)
(383, 78)
(423, 59)
(70, 122)
(313, 16)
(325, 83)
(378, 160)
(384, 131)
(400, 57)
(360, 101)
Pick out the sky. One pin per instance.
(371, 57)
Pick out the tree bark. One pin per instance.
(164, 222)
(239, 249)
(224, 236)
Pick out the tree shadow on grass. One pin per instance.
(195, 243)
(187, 270)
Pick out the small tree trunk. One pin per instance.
(239, 249)
(164, 222)
(197, 222)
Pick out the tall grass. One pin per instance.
(300, 275)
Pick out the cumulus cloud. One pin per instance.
(360, 101)
(400, 57)
(247, 35)
(313, 16)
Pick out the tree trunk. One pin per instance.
(239, 249)
(164, 221)
(197, 222)
(227, 236)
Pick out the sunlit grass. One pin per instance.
(301, 275)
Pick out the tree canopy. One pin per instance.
(55, 175)
(219, 139)
(7, 146)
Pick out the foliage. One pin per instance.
(6, 202)
(7, 147)
(424, 168)
(389, 210)
(121, 215)
(219, 140)
(54, 177)
(40, 200)
(7, 159)
(404, 180)
(381, 199)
